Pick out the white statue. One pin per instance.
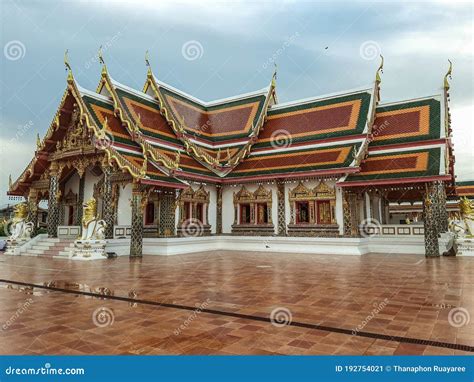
(463, 226)
(91, 244)
(20, 229)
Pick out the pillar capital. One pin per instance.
(54, 169)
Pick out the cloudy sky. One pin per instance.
(214, 49)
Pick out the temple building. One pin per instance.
(166, 166)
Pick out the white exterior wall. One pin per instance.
(228, 208)
(176, 217)
(212, 210)
(72, 184)
(124, 210)
(368, 212)
(376, 213)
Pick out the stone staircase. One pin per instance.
(51, 248)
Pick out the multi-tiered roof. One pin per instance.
(165, 137)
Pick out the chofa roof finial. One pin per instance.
(147, 63)
(379, 70)
(274, 75)
(68, 67)
(147, 58)
(448, 75)
(101, 60)
(38, 141)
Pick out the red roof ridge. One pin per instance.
(400, 102)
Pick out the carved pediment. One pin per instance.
(322, 190)
(243, 195)
(201, 194)
(189, 195)
(301, 192)
(261, 194)
(77, 137)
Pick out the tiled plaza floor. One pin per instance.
(397, 295)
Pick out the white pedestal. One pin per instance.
(89, 250)
(465, 246)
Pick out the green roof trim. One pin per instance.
(122, 94)
(465, 183)
(434, 123)
(434, 157)
(259, 98)
(299, 167)
(365, 97)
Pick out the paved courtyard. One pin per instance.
(238, 303)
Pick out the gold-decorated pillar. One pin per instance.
(136, 240)
(53, 201)
(430, 222)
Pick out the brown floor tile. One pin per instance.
(338, 291)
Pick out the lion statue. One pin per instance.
(463, 225)
(20, 229)
(92, 228)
